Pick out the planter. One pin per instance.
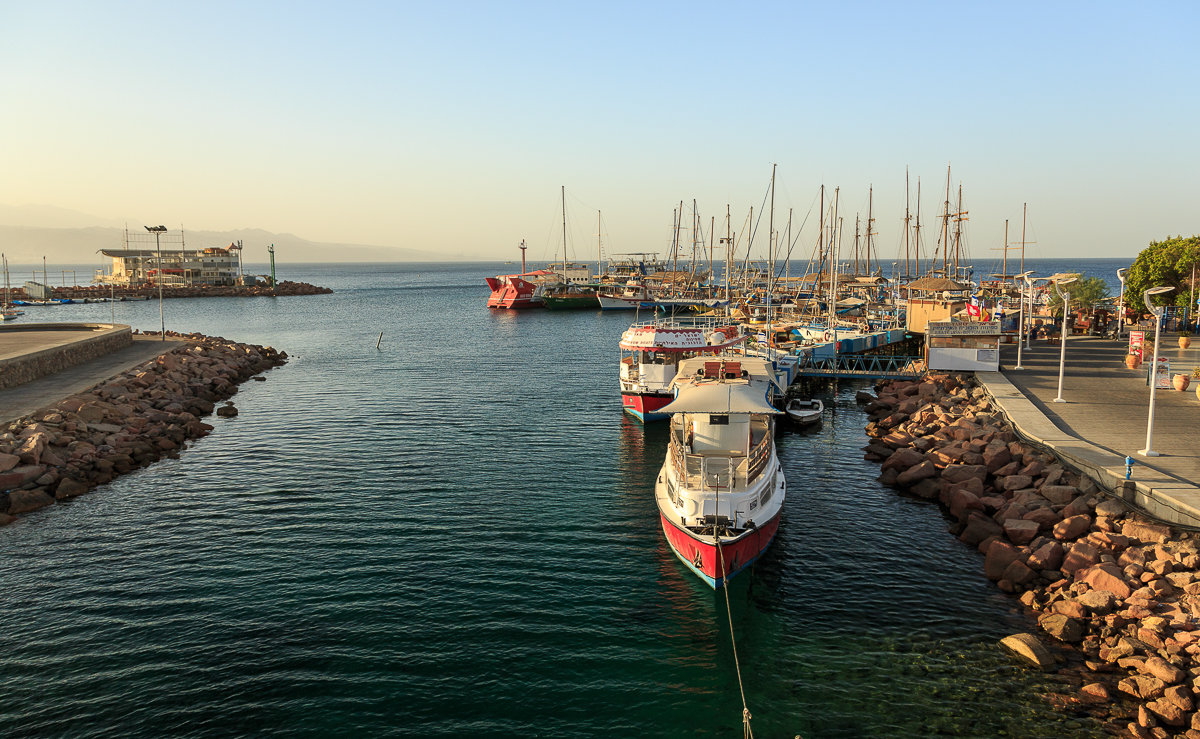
(1181, 382)
(1132, 361)
(1185, 342)
(1198, 391)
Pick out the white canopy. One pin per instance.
(721, 398)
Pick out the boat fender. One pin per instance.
(828, 335)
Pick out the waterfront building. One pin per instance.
(179, 267)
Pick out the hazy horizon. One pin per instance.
(450, 129)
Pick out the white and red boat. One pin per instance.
(721, 489)
(651, 353)
(634, 294)
(516, 291)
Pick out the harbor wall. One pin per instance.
(105, 339)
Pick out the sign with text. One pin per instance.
(963, 328)
(1136, 338)
(1163, 372)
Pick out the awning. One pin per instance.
(721, 398)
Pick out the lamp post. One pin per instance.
(1024, 277)
(1121, 316)
(1062, 356)
(1158, 312)
(1029, 293)
(162, 321)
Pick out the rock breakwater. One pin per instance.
(124, 423)
(1119, 589)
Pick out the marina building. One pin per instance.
(178, 267)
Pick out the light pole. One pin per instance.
(1158, 312)
(1062, 355)
(1024, 277)
(157, 231)
(1121, 315)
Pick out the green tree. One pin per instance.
(1168, 262)
(1084, 294)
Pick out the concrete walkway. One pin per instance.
(25, 399)
(1104, 419)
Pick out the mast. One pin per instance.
(564, 211)
(728, 255)
(959, 217)
(946, 228)
(821, 233)
(1024, 210)
(599, 244)
(917, 230)
(870, 222)
(907, 255)
(770, 252)
(695, 235)
(1004, 259)
(857, 236)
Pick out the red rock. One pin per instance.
(69, 488)
(1047, 557)
(913, 475)
(1043, 516)
(1061, 627)
(961, 503)
(1081, 556)
(1105, 577)
(1163, 670)
(1145, 532)
(902, 459)
(1014, 482)
(929, 488)
(996, 456)
(1094, 693)
(958, 473)
(1167, 712)
(999, 556)
(1181, 696)
(979, 528)
(24, 501)
(1070, 609)
(1018, 573)
(8, 461)
(1020, 532)
(1072, 528)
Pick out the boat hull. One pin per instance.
(610, 302)
(700, 554)
(645, 406)
(570, 302)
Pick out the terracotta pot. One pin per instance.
(1185, 342)
(1198, 391)
(1132, 361)
(1181, 382)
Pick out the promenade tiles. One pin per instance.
(1104, 418)
(46, 391)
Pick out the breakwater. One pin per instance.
(124, 423)
(284, 288)
(1121, 590)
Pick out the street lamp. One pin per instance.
(1158, 313)
(1062, 356)
(1024, 276)
(1029, 292)
(1121, 316)
(157, 230)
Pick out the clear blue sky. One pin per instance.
(450, 126)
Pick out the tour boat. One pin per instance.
(568, 296)
(515, 291)
(631, 297)
(655, 350)
(721, 488)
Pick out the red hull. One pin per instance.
(700, 555)
(645, 406)
(512, 292)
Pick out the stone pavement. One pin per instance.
(46, 391)
(1104, 418)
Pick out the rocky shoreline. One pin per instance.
(1120, 590)
(124, 423)
(284, 288)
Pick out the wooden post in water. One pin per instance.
(377, 343)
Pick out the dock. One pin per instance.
(1103, 420)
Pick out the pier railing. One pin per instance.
(862, 365)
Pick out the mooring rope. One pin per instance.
(747, 733)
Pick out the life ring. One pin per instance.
(828, 335)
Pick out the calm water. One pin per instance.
(455, 535)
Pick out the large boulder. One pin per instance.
(915, 474)
(1028, 647)
(1072, 528)
(24, 501)
(1059, 494)
(1049, 556)
(1000, 555)
(903, 459)
(8, 461)
(979, 529)
(1061, 627)
(1020, 531)
(1145, 532)
(1106, 577)
(1163, 670)
(956, 473)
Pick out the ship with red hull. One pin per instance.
(721, 489)
(652, 352)
(516, 291)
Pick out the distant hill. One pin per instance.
(28, 244)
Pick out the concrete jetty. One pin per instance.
(42, 363)
(1104, 419)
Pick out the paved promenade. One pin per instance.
(25, 399)
(1104, 418)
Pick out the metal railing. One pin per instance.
(862, 365)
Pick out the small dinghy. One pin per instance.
(805, 412)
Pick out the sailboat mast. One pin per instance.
(1004, 259)
(870, 223)
(1024, 210)
(857, 236)
(917, 230)
(770, 250)
(599, 244)
(958, 219)
(946, 228)
(728, 253)
(564, 214)
(907, 219)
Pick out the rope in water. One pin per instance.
(747, 733)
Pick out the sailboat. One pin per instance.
(7, 311)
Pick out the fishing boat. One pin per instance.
(721, 488)
(568, 296)
(651, 354)
(804, 412)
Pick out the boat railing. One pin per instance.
(759, 456)
(717, 471)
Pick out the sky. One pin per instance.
(450, 127)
